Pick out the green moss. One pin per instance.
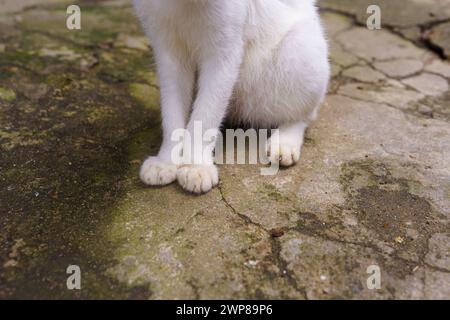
(69, 155)
(272, 192)
(146, 95)
(7, 94)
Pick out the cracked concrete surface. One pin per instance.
(79, 111)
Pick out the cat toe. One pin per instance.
(155, 172)
(286, 155)
(198, 179)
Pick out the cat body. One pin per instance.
(262, 63)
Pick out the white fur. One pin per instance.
(257, 62)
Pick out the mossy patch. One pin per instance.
(67, 122)
(7, 94)
(146, 95)
(387, 205)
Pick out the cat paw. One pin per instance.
(285, 154)
(198, 178)
(156, 172)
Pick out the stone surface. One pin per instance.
(440, 36)
(428, 84)
(398, 97)
(439, 251)
(399, 68)
(364, 74)
(439, 67)
(79, 111)
(377, 45)
(423, 21)
(402, 14)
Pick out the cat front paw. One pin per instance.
(198, 179)
(286, 154)
(156, 172)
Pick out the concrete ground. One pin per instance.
(79, 111)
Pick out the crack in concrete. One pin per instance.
(393, 29)
(408, 112)
(274, 244)
(421, 263)
(195, 289)
(370, 64)
(283, 266)
(341, 80)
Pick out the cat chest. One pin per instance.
(188, 31)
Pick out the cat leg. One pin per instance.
(300, 79)
(176, 83)
(218, 75)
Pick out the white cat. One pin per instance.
(259, 62)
